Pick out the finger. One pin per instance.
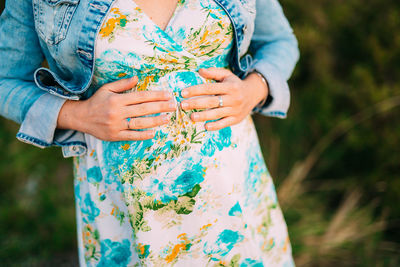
(149, 108)
(214, 73)
(121, 85)
(148, 122)
(205, 102)
(211, 114)
(205, 89)
(222, 123)
(129, 135)
(145, 96)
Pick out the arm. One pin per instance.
(48, 120)
(275, 51)
(20, 55)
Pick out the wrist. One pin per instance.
(68, 118)
(259, 86)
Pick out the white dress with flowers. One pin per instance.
(188, 197)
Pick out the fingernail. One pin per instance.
(195, 116)
(172, 104)
(184, 105)
(184, 93)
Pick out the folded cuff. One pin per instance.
(39, 127)
(279, 94)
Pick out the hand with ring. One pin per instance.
(112, 114)
(228, 101)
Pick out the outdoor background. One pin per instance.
(335, 159)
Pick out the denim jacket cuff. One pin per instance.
(278, 100)
(40, 123)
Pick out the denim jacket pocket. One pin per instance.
(52, 18)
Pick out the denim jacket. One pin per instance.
(64, 32)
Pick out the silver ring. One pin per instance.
(221, 103)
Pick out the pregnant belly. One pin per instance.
(180, 148)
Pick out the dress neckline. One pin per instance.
(171, 19)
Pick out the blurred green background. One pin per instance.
(335, 159)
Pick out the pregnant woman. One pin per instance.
(153, 99)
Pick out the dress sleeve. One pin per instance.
(20, 55)
(275, 51)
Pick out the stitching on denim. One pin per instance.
(84, 53)
(98, 7)
(73, 143)
(276, 113)
(32, 140)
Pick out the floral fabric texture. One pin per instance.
(188, 197)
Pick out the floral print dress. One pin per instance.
(187, 197)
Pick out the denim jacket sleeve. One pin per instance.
(275, 52)
(21, 100)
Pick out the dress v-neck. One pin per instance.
(177, 7)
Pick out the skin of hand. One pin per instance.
(104, 115)
(239, 97)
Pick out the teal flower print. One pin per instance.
(180, 80)
(88, 207)
(236, 210)
(251, 263)
(115, 253)
(113, 65)
(77, 191)
(180, 35)
(227, 239)
(181, 178)
(217, 140)
(225, 135)
(254, 174)
(188, 179)
(208, 148)
(94, 175)
(119, 157)
(161, 41)
(218, 62)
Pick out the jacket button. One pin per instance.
(245, 28)
(74, 148)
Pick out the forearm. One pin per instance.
(275, 52)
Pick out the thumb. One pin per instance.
(121, 85)
(214, 73)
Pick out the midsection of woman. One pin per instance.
(188, 196)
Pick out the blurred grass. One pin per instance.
(335, 159)
(37, 215)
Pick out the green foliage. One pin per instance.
(335, 159)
